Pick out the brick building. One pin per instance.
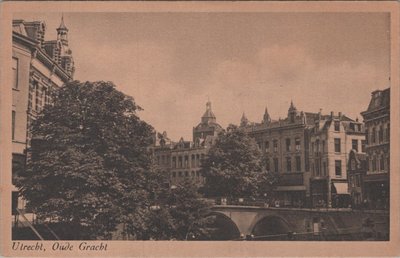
(38, 67)
(377, 125)
(356, 170)
(182, 159)
(331, 140)
(285, 144)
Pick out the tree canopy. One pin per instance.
(89, 162)
(90, 170)
(234, 166)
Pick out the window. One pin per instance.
(317, 167)
(362, 145)
(275, 145)
(276, 165)
(382, 163)
(380, 134)
(317, 146)
(15, 72)
(174, 162)
(366, 136)
(267, 146)
(13, 124)
(180, 162)
(298, 163)
(323, 147)
(312, 147)
(337, 126)
(174, 174)
(374, 164)
(38, 101)
(193, 174)
(324, 168)
(193, 160)
(267, 165)
(186, 173)
(197, 160)
(354, 145)
(388, 132)
(338, 168)
(337, 144)
(297, 143)
(373, 136)
(289, 164)
(358, 183)
(287, 144)
(186, 161)
(353, 164)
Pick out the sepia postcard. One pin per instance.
(199, 128)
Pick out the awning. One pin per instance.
(340, 188)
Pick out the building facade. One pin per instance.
(377, 125)
(182, 160)
(285, 144)
(331, 140)
(356, 170)
(38, 67)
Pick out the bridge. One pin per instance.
(261, 223)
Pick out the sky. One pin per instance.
(172, 63)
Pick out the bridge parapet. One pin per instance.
(271, 220)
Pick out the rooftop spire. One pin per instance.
(266, 118)
(208, 115)
(292, 105)
(244, 121)
(62, 24)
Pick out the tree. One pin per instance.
(181, 215)
(89, 161)
(234, 166)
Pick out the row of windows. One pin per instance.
(321, 169)
(38, 96)
(183, 161)
(378, 135)
(378, 163)
(186, 174)
(289, 165)
(266, 145)
(163, 160)
(318, 146)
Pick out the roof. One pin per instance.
(62, 24)
(379, 99)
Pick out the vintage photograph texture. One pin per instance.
(247, 126)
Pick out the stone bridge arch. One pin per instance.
(224, 228)
(270, 227)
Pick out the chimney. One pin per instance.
(331, 114)
(340, 114)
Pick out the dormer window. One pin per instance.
(337, 126)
